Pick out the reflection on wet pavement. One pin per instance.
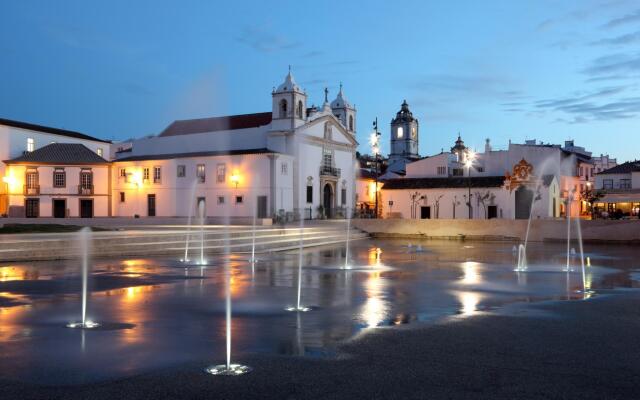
(157, 314)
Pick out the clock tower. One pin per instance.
(404, 136)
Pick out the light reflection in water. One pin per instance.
(375, 308)
(18, 273)
(471, 273)
(375, 257)
(468, 302)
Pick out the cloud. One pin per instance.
(467, 86)
(263, 40)
(601, 105)
(629, 38)
(614, 64)
(624, 20)
(554, 103)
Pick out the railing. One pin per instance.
(32, 190)
(85, 190)
(330, 171)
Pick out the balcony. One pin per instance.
(327, 170)
(31, 190)
(85, 190)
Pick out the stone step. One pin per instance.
(172, 244)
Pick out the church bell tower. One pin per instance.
(404, 135)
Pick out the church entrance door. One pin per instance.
(327, 197)
(524, 197)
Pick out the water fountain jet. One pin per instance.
(228, 368)
(83, 240)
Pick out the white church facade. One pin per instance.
(292, 161)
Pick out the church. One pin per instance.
(294, 160)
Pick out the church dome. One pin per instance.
(340, 100)
(459, 146)
(289, 84)
(404, 115)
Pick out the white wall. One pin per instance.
(176, 196)
(69, 192)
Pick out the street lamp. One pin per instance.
(470, 158)
(374, 140)
(235, 179)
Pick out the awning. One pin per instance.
(620, 198)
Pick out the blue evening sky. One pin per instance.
(501, 69)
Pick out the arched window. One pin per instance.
(283, 108)
(351, 122)
(299, 109)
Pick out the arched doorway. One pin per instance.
(327, 199)
(524, 197)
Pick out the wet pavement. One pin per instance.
(156, 314)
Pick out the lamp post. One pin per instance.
(469, 163)
(375, 149)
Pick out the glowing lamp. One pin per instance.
(136, 178)
(235, 179)
(9, 180)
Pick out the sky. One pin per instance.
(549, 70)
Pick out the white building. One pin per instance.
(293, 160)
(619, 191)
(499, 184)
(51, 172)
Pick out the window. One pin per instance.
(157, 174)
(283, 108)
(220, 200)
(327, 158)
(221, 171)
(351, 122)
(607, 183)
(145, 174)
(121, 197)
(457, 172)
(123, 173)
(31, 145)
(99, 151)
(239, 199)
(59, 180)
(182, 171)
(86, 179)
(309, 194)
(299, 109)
(399, 132)
(625, 183)
(200, 173)
(343, 196)
(442, 170)
(32, 179)
(284, 168)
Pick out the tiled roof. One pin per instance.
(195, 154)
(364, 173)
(46, 129)
(231, 122)
(625, 168)
(444, 183)
(60, 153)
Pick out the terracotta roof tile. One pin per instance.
(231, 122)
(60, 153)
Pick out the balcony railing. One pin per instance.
(85, 190)
(31, 190)
(329, 171)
